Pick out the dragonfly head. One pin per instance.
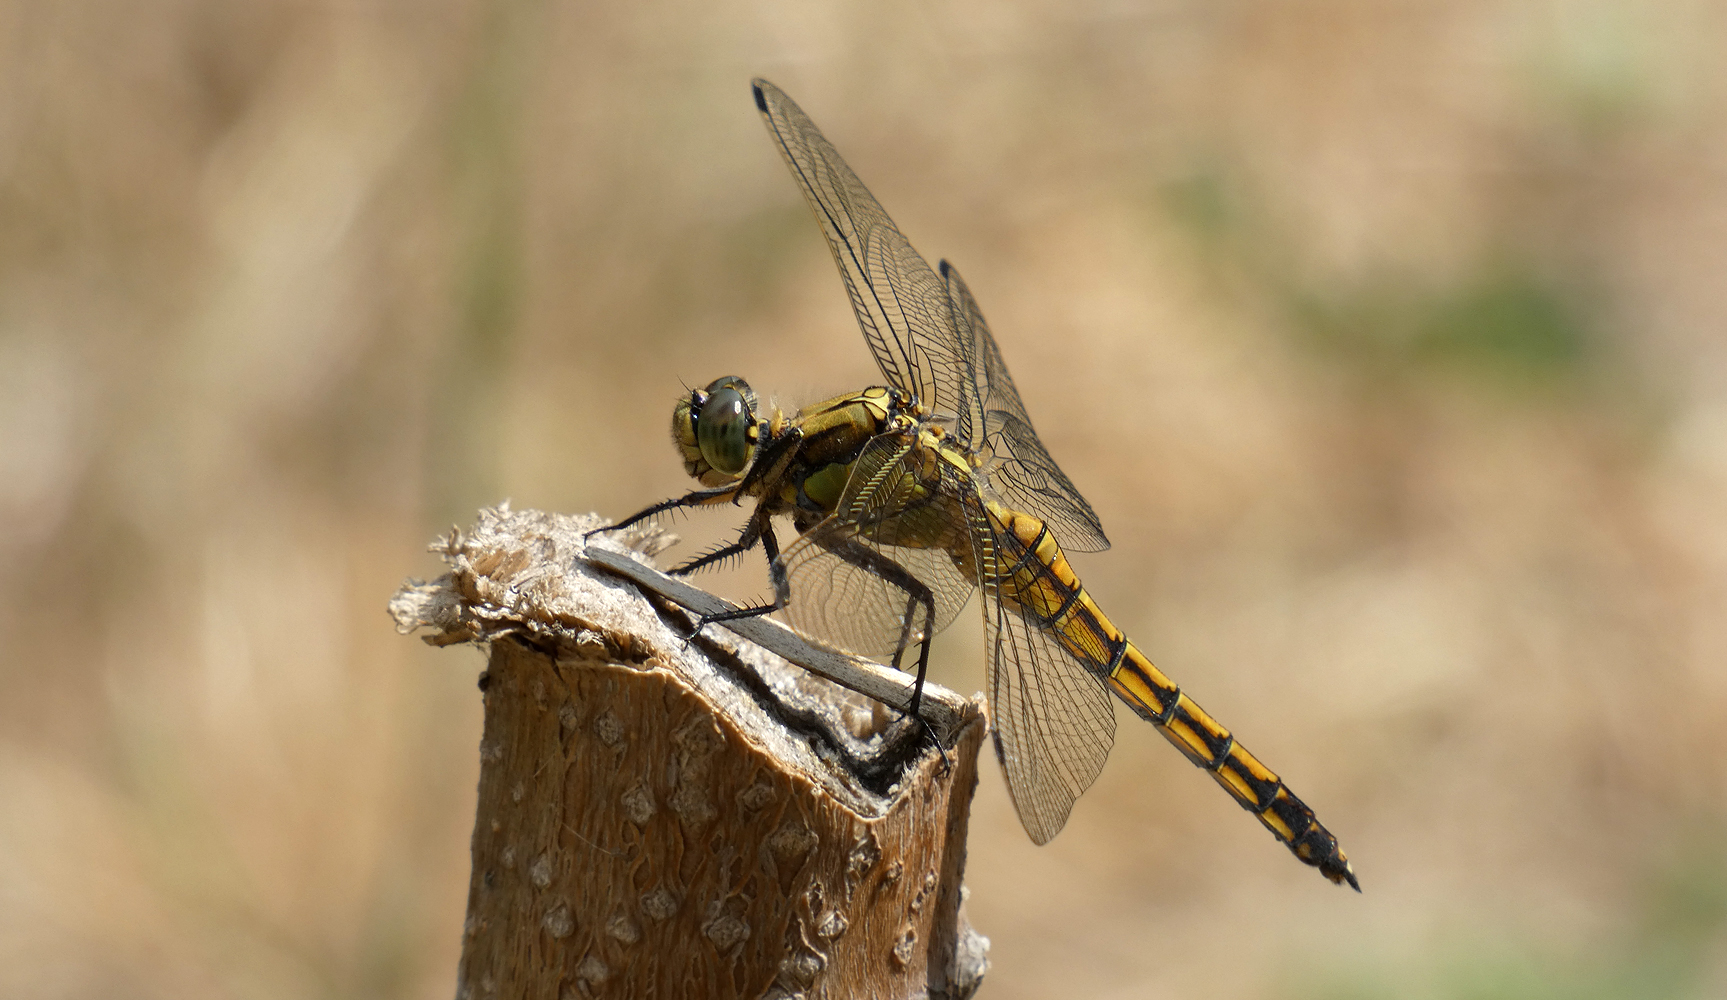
(716, 431)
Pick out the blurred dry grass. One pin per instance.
(1386, 338)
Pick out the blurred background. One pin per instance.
(1385, 338)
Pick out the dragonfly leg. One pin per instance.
(764, 532)
(927, 599)
(696, 498)
(758, 529)
(918, 595)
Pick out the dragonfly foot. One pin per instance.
(929, 731)
(946, 763)
(747, 611)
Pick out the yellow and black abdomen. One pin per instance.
(1034, 580)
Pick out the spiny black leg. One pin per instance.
(776, 573)
(718, 555)
(913, 599)
(864, 557)
(735, 614)
(770, 545)
(747, 540)
(917, 593)
(696, 498)
(922, 668)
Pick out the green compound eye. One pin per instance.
(722, 430)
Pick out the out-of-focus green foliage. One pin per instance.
(1507, 330)
(1506, 325)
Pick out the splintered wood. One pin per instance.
(678, 819)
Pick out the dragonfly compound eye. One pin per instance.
(723, 430)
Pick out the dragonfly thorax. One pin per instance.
(715, 430)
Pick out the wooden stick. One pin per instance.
(668, 818)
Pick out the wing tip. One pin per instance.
(756, 86)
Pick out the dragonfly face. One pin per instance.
(715, 430)
(909, 496)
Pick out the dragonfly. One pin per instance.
(908, 497)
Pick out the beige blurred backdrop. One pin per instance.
(1385, 338)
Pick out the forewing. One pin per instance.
(1022, 475)
(852, 576)
(901, 305)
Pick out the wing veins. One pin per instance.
(893, 353)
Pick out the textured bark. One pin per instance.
(700, 819)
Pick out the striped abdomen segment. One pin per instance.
(1037, 582)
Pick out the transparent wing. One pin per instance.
(926, 331)
(892, 564)
(902, 307)
(1022, 473)
(1051, 715)
(1054, 724)
(899, 556)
